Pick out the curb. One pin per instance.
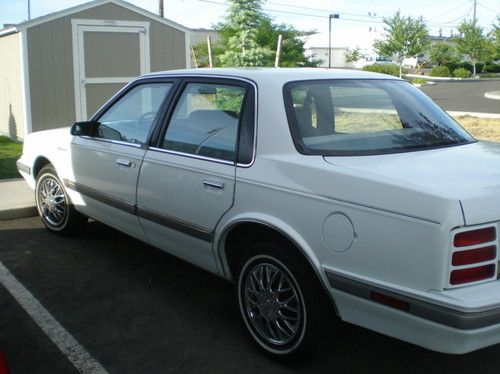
(473, 114)
(495, 95)
(16, 213)
(441, 79)
(428, 83)
(11, 180)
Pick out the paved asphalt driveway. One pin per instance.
(465, 96)
(138, 310)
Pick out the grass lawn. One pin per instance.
(10, 151)
(481, 128)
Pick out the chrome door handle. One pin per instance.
(123, 162)
(213, 183)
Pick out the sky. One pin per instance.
(360, 22)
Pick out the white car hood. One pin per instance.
(49, 138)
(468, 173)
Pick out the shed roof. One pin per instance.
(91, 4)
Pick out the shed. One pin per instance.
(60, 68)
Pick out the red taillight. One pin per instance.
(472, 274)
(474, 256)
(484, 258)
(3, 364)
(474, 237)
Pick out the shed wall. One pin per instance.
(50, 56)
(11, 99)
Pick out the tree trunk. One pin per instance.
(400, 70)
(474, 70)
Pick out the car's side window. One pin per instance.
(205, 121)
(131, 117)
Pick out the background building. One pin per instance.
(60, 68)
(338, 56)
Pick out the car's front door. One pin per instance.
(187, 180)
(106, 166)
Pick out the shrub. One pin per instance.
(462, 73)
(490, 75)
(390, 69)
(455, 65)
(419, 81)
(479, 67)
(466, 65)
(440, 71)
(492, 68)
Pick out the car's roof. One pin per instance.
(279, 75)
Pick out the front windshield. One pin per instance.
(366, 116)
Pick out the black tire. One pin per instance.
(54, 206)
(302, 328)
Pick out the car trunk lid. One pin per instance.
(468, 173)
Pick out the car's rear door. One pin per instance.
(106, 166)
(187, 179)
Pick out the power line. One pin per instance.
(490, 9)
(444, 24)
(323, 10)
(352, 14)
(319, 16)
(297, 13)
(458, 18)
(448, 11)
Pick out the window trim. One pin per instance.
(303, 149)
(250, 87)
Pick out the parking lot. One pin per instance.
(465, 96)
(136, 309)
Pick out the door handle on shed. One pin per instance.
(123, 162)
(213, 183)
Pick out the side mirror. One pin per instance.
(88, 128)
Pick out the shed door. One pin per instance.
(106, 58)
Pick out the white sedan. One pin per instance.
(318, 192)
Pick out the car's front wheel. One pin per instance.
(281, 302)
(53, 204)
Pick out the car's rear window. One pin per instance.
(370, 116)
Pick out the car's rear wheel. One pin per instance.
(281, 301)
(54, 206)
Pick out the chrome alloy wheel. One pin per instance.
(273, 304)
(51, 201)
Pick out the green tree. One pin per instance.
(495, 37)
(473, 44)
(405, 37)
(200, 51)
(241, 46)
(249, 37)
(443, 54)
(292, 48)
(353, 55)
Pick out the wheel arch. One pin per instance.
(39, 163)
(241, 228)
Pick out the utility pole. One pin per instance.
(161, 10)
(330, 38)
(278, 51)
(209, 45)
(475, 6)
(29, 10)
